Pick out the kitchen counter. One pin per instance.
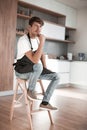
(79, 61)
(68, 60)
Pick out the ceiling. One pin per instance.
(78, 4)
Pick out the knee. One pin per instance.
(38, 67)
(56, 76)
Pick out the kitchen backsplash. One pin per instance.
(55, 48)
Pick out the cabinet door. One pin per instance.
(52, 64)
(64, 78)
(63, 66)
(71, 17)
(58, 66)
(53, 31)
(78, 73)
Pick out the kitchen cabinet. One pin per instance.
(64, 71)
(71, 17)
(58, 66)
(64, 78)
(53, 31)
(78, 73)
(61, 67)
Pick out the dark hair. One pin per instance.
(36, 19)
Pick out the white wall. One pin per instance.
(81, 35)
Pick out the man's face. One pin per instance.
(35, 29)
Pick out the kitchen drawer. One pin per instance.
(64, 78)
(58, 66)
(63, 66)
(52, 64)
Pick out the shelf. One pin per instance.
(69, 28)
(23, 16)
(20, 33)
(69, 41)
(58, 40)
(70, 34)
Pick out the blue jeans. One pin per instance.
(35, 75)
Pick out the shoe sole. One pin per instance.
(48, 109)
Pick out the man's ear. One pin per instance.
(29, 27)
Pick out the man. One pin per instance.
(31, 46)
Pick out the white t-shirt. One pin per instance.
(24, 45)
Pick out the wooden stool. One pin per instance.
(29, 103)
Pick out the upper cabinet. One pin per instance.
(53, 31)
(71, 17)
(55, 23)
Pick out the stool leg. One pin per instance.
(14, 97)
(51, 120)
(28, 107)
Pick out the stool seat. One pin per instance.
(21, 84)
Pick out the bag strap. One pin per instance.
(30, 41)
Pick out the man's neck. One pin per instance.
(32, 35)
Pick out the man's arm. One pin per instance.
(43, 59)
(45, 69)
(35, 57)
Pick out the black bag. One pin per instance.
(23, 65)
(46, 71)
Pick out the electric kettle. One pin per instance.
(81, 56)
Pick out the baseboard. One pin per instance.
(72, 85)
(78, 86)
(63, 85)
(8, 93)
